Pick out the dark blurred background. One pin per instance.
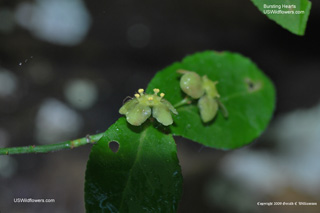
(67, 65)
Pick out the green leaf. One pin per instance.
(247, 94)
(295, 23)
(142, 176)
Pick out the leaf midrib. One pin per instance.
(141, 140)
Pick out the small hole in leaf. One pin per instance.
(114, 146)
(252, 85)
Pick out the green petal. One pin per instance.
(128, 106)
(138, 114)
(210, 87)
(191, 84)
(169, 105)
(208, 108)
(162, 113)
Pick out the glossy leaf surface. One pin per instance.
(296, 22)
(247, 94)
(142, 176)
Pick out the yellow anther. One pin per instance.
(141, 91)
(150, 98)
(156, 91)
(137, 95)
(162, 95)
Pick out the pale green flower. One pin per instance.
(138, 109)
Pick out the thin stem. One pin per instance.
(184, 101)
(89, 139)
(182, 71)
(224, 110)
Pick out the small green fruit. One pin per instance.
(208, 108)
(205, 89)
(191, 84)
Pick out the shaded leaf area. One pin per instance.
(246, 92)
(296, 23)
(142, 176)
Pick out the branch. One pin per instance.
(51, 147)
